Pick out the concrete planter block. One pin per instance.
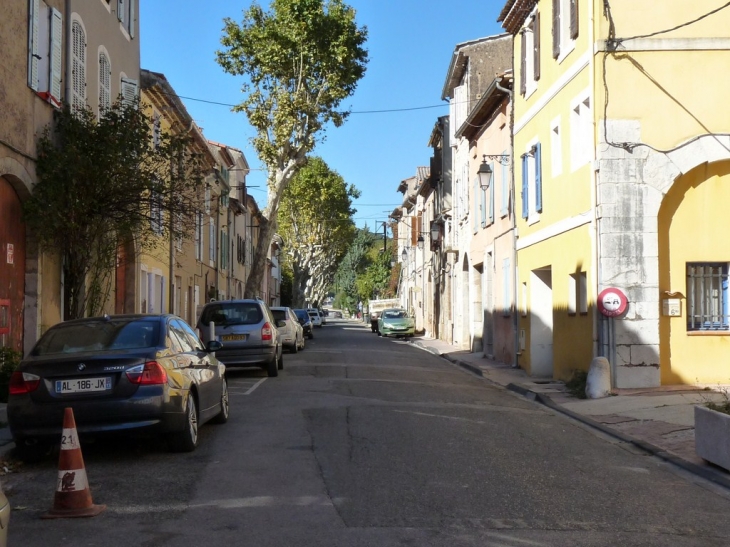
(712, 436)
(598, 382)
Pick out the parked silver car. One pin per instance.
(292, 332)
(248, 331)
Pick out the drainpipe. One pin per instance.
(598, 322)
(513, 196)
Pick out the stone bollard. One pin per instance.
(598, 382)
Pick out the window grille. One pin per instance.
(707, 296)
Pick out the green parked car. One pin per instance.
(396, 322)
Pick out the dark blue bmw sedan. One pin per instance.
(122, 373)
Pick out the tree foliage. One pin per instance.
(315, 221)
(102, 183)
(301, 60)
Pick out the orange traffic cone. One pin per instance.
(73, 497)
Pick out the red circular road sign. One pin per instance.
(612, 302)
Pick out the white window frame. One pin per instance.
(567, 44)
(528, 53)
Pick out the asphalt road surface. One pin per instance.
(363, 441)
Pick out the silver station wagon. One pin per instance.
(248, 331)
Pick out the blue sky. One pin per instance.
(410, 45)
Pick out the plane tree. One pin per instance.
(315, 222)
(299, 60)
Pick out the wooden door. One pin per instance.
(12, 267)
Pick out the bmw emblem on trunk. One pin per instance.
(82, 366)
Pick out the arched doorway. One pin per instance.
(12, 267)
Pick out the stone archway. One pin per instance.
(628, 227)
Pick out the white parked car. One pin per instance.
(291, 331)
(314, 315)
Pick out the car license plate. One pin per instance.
(232, 337)
(86, 385)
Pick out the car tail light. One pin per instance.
(151, 373)
(266, 332)
(23, 382)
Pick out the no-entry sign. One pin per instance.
(612, 302)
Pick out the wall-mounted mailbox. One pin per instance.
(672, 307)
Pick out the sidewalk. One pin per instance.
(659, 420)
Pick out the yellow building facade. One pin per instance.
(620, 158)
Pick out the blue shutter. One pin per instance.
(538, 178)
(505, 189)
(491, 197)
(525, 205)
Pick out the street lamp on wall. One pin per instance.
(485, 172)
(404, 256)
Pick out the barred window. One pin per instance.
(707, 296)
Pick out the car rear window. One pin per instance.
(232, 313)
(301, 314)
(279, 315)
(100, 335)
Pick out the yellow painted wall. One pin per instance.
(565, 254)
(692, 229)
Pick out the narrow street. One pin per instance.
(363, 441)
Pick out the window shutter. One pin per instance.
(523, 63)
(536, 46)
(56, 54)
(414, 229)
(505, 189)
(104, 83)
(477, 200)
(120, 10)
(538, 178)
(525, 205)
(574, 19)
(131, 18)
(33, 56)
(78, 84)
(556, 28)
(129, 91)
(491, 197)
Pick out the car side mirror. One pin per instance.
(213, 345)
(281, 323)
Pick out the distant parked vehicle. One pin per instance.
(306, 322)
(292, 332)
(396, 322)
(120, 373)
(248, 331)
(316, 318)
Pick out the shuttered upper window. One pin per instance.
(105, 80)
(565, 27)
(45, 28)
(530, 55)
(78, 67)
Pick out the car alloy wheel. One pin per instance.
(222, 417)
(187, 439)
